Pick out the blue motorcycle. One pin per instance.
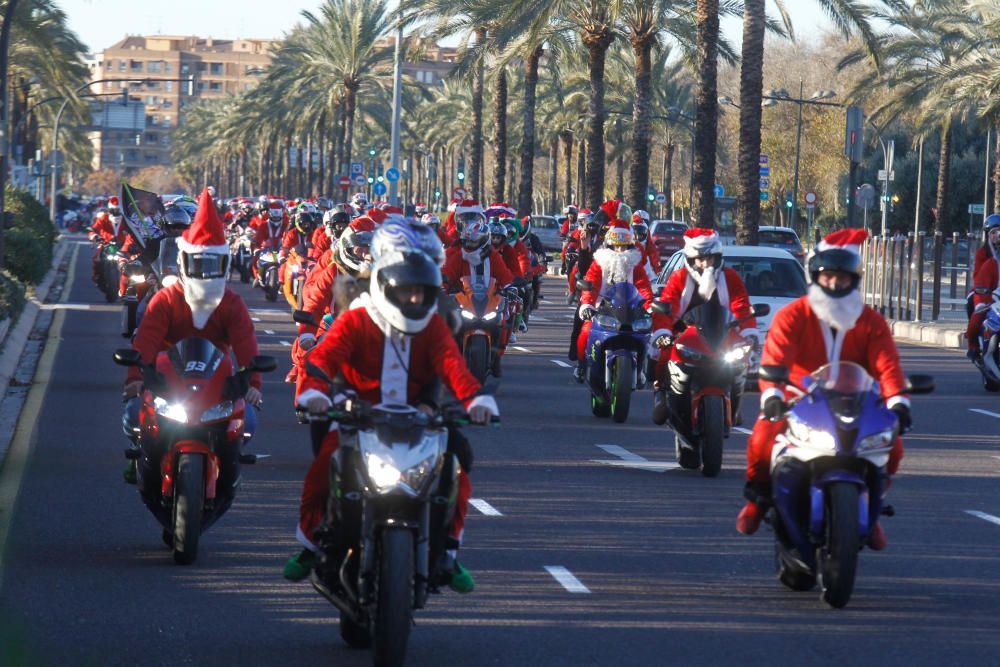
(989, 342)
(828, 475)
(616, 349)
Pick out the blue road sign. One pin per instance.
(719, 190)
(392, 174)
(357, 168)
(763, 158)
(765, 184)
(765, 172)
(764, 196)
(379, 189)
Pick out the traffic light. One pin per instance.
(380, 178)
(437, 194)
(650, 196)
(371, 151)
(371, 179)
(461, 169)
(789, 200)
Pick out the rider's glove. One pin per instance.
(773, 408)
(587, 311)
(664, 339)
(902, 412)
(316, 402)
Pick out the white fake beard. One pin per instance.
(840, 313)
(707, 281)
(474, 258)
(203, 297)
(617, 267)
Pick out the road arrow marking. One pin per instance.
(630, 460)
(566, 579)
(484, 507)
(985, 412)
(984, 516)
(559, 362)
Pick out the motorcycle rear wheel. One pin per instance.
(393, 617)
(621, 388)
(838, 558)
(353, 633)
(990, 385)
(599, 406)
(712, 422)
(189, 499)
(477, 357)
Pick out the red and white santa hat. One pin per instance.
(700, 241)
(205, 235)
(468, 206)
(113, 202)
(843, 239)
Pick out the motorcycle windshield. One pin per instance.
(166, 263)
(622, 301)
(195, 357)
(711, 320)
(845, 385)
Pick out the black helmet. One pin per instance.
(836, 259)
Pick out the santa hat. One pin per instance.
(468, 206)
(843, 239)
(363, 223)
(500, 209)
(699, 241)
(452, 204)
(377, 216)
(205, 234)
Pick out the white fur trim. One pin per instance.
(823, 245)
(897, 400)
(698, 246)
(769, 392)
(485, 401)
(394, 370)
(303, 540)
(468, 209)
(302, 399)
(184, 246)
(660, 332)
(585, 308)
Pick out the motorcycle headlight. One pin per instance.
(608, 322)
(489, 316)
(809, 437)
(137, 278)
(880, 440)
(385, 475)
(217, 411)
(172, 411)
(643, 324)
(168, 280)
(736, 354)
(467, 315)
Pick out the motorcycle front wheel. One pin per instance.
(477, 357)
(838, 558)
(712, 422)
(111, 276)
(395, 597)
(271, 284)
(189, 499)
(621, 388)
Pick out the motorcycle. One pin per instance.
(136, 277)
(110, 272)
(297, 269)
(190, 437)
(241, 252)
(828, 475)
(483, 311)
(616, 349)
(393, 486)
(708, 361)
(989, 342)
(268, 261)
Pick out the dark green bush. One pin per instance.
(29, 236)
(11, 296)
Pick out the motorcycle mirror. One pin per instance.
(919, 384)
(760, 309)
(262, 364)
(126, 356)
(584, 285)
(304, 317)
(774, 373)
(981, 290)
(662, 307)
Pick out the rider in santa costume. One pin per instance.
(830, 323)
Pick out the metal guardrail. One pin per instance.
(903, 278)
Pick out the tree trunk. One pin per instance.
(944, 169)
(597, 44)
(286, 166)
(553, 175)
(668, 174)
(996, 167)
(581, 173)
(620, 168)
(706, 113)
(349, 105)
(475, 175)
(751, 90)
(500, 138)
(511, 189)
(641, 130)
(567, 139)
(527, 157)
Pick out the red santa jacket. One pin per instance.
(681, 288)
(267, 234)
(317, 295)
(320, 243)
(600, 268)
(105, 232)
(523, 259)
(509, 256)
(356, 348)
(168, 320)
(455, 268)
(802, 343)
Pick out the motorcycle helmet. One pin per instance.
(420, 210)
(323, 204)
(114, 208)
(275, 211)
(702, 242)
(430, 220)
(498, 233)
(570, 210)
(404, 237)
(991, 232)
(839, 251)
(514, 229)
(359, 201)
(336, 222)
(619, 238)
(640, 230)
(175, 219)
(306, 218)
(475, 237)
(404, 289)
(355, 250)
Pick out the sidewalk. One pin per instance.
(948, 332)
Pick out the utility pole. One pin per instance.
(397, 97)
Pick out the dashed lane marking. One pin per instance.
(559, 362)
(627, 459)
(484, 507)
(566, 579)
(984, 516)
(286, 343)
(985, 412)
(521, 349)
(621, 453)
(269, 332)
(744, 431)
(255, 319)
(539, 318)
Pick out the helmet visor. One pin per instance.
(204, 266)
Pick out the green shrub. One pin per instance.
(29, 237)
(11, 296)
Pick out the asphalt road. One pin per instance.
(660, 575)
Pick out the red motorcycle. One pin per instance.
(708, 363)
(190, 437)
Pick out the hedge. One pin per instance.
(11, 296)
(29, 237)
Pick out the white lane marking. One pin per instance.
(103, 307)
(255, 319)
(559, 362)
(985, 412)
(269, 332)
(520, 349)
(286, 343)
(630, 460)
(566, 579)
(984, 516)
(539, 318)
(996, 457)
(744, 431)
(484, 507)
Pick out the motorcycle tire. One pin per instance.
(599, 406)
(353, 633)
(477, 357)
(990, 385)
(271, 285)
(189, 499)
(622, 376)
(394, 614)
(129, 318)
(244, 268)
(838, 558)
(111, 282)
(712, 422)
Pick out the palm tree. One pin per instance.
(706, 113)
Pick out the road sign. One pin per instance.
(719, 190)
(763, 158)
(661, 198)
(357, 168)
(458, 193)
(866, 195)
(976, 209)
(344, 182)
(765, 184)
(764, 196)
(379, 189)
(810, 198)
(881, 175)
(359, 179)
(392, 174)
(765, 172)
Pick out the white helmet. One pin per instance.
(394, 277)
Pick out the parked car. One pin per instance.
(546, 228)
(668, 235)
(772, 276)
(784, 238)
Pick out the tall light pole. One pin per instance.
(397, 98)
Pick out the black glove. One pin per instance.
(902, 411)
(774, 408)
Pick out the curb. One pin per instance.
(952, 338)
(15, 337)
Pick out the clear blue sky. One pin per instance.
(101, 23)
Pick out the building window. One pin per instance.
(185, 69)
(201, 86)
(109, 65)
(121, 65)
(218, 69)
(202, 67)
(151, 157)
(215, 85)
(168, 67)
(166, 119)
(167, 103)
(152, 138)
(136, 65)
(168, 86)
(154, 66)
(152, 119)
(153, 85)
